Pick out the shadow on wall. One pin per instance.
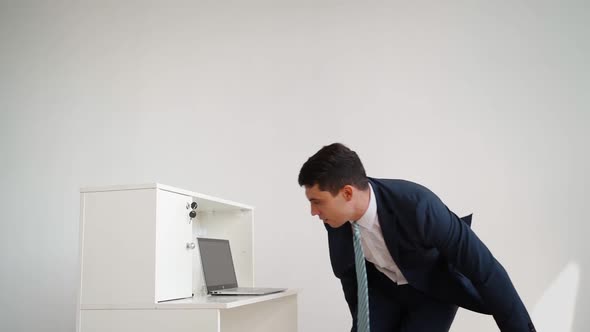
(556, 307)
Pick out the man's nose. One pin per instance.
(314, 212)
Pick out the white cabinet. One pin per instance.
(140, 263)
(174, 247)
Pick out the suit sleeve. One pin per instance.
(442, 229)
(349, 289)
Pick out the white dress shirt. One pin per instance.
(373, 243)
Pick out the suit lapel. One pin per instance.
(341, 249)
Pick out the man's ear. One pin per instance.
(347, 192)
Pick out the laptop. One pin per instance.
(219, 271)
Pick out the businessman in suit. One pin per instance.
(421, 261)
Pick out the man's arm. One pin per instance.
(442, 229)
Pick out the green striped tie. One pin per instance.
(362, 317)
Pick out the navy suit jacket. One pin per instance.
(436, 251)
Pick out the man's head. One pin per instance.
(335, 181)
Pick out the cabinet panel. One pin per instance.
(149, 320)
(118, 230)
(173, 258)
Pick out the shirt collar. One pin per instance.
(368, 219)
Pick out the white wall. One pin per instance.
(487, 104)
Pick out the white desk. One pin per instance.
(273, 312)
(138, 253)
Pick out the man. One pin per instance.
(420, 260)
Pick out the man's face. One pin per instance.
(332, 210)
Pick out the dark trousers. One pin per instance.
(406, 309)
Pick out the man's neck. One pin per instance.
(362, 205)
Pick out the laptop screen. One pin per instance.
(217, 264)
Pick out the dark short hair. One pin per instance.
(333, 167)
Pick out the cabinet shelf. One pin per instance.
(199, 302)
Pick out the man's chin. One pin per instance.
(334, 224)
